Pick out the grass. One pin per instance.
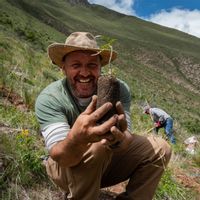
(22, 160)
(15, 118)
(169, 189)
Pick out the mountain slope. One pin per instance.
(163, 59)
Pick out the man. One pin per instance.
(161, 120)
(83, 155)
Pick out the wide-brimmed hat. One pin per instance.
(79, 41)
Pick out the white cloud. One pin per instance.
(184, 20)
(122, 6)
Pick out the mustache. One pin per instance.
(78, 77)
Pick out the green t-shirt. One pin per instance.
(57, 104)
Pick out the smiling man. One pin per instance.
(82, 71)
(83, 156)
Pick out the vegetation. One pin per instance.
(160, 65)
(170, 188)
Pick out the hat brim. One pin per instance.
(57, 51)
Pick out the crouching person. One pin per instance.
(83, 155)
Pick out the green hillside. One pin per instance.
(161, 66)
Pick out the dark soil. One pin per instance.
(108, 90)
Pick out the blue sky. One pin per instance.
(183, 15)
(146, 7)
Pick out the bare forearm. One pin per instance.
(68, 152)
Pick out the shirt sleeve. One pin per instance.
(54, 133)
(48, 110)
(52, 119)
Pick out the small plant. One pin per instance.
(29, 154)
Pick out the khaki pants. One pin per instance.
(142, 162)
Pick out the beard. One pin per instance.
(82, 89)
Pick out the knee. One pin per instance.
(166, 151)
(161, 151)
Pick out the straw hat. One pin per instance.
(78, 41)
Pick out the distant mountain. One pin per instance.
(80, 2)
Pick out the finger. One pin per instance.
(122, 122)
(119, 107)
(104, 142)
(107, 138)
(92, 106)
(101, 111)
(106, 126)
(118, 135)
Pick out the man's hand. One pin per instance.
(118, 130)
(85, 129)
(157, 124)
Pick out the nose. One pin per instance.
(84, 71)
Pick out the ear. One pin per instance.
(63, 69)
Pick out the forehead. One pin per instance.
(79, 55)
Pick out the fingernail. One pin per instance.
(109, 105)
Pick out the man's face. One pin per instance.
(82, 70)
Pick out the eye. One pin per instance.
(92, 65)
(75, 65)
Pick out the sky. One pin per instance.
(183, 15)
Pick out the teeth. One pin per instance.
(84, 80)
